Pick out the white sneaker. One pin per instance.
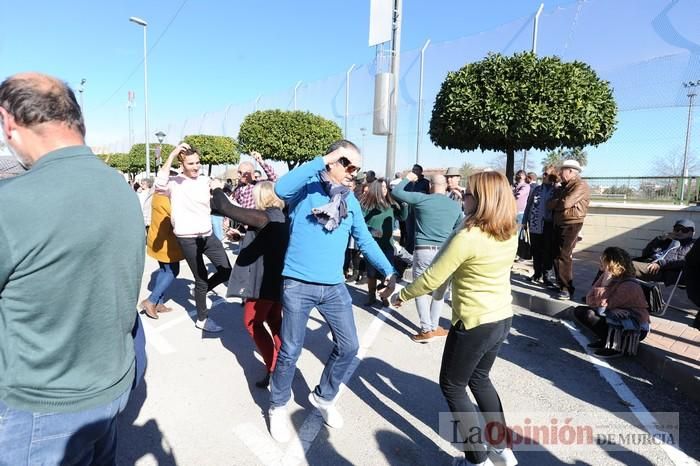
(214, 299)
(503, 457)
(279, 424)
(330, 413)
(208, 325)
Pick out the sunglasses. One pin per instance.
(681, 229)
(347, 165)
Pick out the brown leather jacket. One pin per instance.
(570, 202)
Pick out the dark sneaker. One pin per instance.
(534, 279)
(563, 295)
(607, 353)
(600, 344)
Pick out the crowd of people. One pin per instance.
(302, 236)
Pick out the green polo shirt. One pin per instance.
(71, 260)
(436, 214)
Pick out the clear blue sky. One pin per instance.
(213, 53)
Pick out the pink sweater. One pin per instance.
(189, 200)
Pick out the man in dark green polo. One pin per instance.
(71, 260)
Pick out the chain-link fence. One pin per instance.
(647, 49)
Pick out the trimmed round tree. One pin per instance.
(135, 162)
(522, 102)
(289, 136)
(213, 150)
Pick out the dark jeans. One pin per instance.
(194, 250)
(565, 237)
(541, 247)
(467, 360)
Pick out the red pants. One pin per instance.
(255, 313)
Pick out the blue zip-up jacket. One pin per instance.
(314, 254)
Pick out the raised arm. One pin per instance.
(267, 168)
(163, 176)
(289, 185)
(400, 194)
(220, 205)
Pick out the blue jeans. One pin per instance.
(166, 275)
(335, 305)
(429, 306)
(79, 438)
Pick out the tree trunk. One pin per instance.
(209, 174)
(510, 165)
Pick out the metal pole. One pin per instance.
(295, 94)
(691, 95)
(223, 123)
(419, 129)
(395, 68)
(145, 99)
(347, 98)
(536, 27)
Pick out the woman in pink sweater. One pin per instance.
(617, 311)
(190, 197)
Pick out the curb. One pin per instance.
(679, 375)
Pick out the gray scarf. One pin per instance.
(330, 215)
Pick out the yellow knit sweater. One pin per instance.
(480, 269)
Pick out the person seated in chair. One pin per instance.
(616, 310)
(663, 258)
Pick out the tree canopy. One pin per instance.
(558, 156)
(136, 160)
(290, 136)
(213, 150)
(522, 102)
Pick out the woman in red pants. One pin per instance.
(257, 275)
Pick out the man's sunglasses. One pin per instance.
(680, 229)
(347, 165)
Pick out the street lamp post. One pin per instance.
(144, 24)
(81, 89)
(160, 135)
(363, 131)
(690, 85)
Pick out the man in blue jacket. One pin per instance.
(323, 214)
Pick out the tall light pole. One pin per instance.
(81, 89)
(535, 30)
(160, 135)
(363, 131)
(690, 85)
(144, 24)
(394, 100)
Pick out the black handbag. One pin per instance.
(524, 246)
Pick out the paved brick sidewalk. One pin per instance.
(671, 350)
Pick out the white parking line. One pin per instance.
(155, 339)
(637, 408)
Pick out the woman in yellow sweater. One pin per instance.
(478, 257)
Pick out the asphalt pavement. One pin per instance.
(199, 404)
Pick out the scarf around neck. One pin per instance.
(330, 215)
